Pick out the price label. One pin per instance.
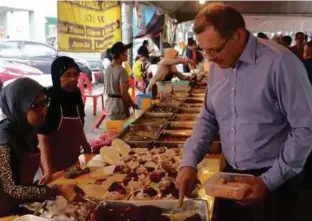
(115, 125)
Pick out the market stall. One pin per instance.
(140, 167)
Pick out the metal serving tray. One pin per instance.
(180, 125)
(189, 110)
(184, 117)
(43, 207)
(169, 207)
(137, 127)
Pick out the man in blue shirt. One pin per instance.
(260, 101)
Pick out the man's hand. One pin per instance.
(256, 192)
(185, 182)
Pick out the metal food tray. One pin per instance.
(194, 100)
(180, 125)
(184, 117)
(38, 213)
(147, 114)
(191, 106)
(175, 133)
(201, 95)
(170, 207)
(133, 127)
(184, 110)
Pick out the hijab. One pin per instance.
(15, 101)
(58, 68)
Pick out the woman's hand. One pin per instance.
(70, 192)
(47, 178)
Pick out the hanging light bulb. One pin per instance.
(202, 2)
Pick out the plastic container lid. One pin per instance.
(224, 185)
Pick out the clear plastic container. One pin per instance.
(225, 185)
(30, 218)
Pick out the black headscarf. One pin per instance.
(15, 101)
(59, 66)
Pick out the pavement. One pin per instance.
(89, 118)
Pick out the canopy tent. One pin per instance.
(187, 10)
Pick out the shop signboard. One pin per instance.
(88, 26)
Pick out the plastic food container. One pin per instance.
(225, 185)
(30, 218)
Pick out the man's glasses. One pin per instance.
(215, 52)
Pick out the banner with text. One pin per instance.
(88, 26)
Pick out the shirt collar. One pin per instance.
(249, 53)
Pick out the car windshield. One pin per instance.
(10, 49)
(38, 50)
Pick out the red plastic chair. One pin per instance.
(83, 79)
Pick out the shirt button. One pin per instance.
(233, 110)
(232, 128)
(234, 69)
(233, 88)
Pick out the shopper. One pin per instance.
(116, 86)
(62, 137)
(259, 100)
(297, 49)
(23, 105)
(140, 71)
(307, 59)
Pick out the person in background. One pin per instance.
(23, 109)
(307, 59)
(193, 54)
(262, 35)
(259, 101)
(167, 68)
(116, 97)
(297, 49)
(140, 71)
(143, 49)
(306, 38)
(286, 41)
(64, 121)
(107, 59)
(152, 68)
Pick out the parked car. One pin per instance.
(44, 79)
(11, 70)
(35, 54)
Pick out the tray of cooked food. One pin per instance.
(189, 110)
(195, 100)
(162, 109)
(136, 132)
(145, 172)
(174, 136)
(184, 117)
(199, 105)
(227, 185)
(180, 125)
(173, 101)
(164, 210)
(201, 95)
(61, 210)
(198, 90)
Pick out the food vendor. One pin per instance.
(23, 109)
(62, 137)
(167, 68)
(140, 71)
(259, 100)
(192, 53)
(116, 86)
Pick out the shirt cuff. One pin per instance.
(273, 178)
(189, 160)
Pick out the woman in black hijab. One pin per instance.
(23, 105)
(62, 137)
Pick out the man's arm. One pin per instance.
(204, 132)
(124, 87)
(294, 95)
